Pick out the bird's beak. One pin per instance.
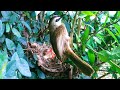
(60, 19)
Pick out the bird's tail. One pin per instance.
(82, 65)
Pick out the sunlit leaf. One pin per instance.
(6, 14)
(117, 27)
(23, 67)
(97, 40)
(91, 56)
(115, 66)
(75, 46)
(10, 44)
(104, 55)
(2, 70)
(27, 26)
(7, 28)
(84, 38)
(20, 51)
(11, 68)
(16, 32)
(1, 28)
(15, 57)
(112, 13)
(88, 13)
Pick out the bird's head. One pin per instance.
(55, 22)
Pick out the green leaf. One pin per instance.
(1, 28)
(7, 28)
(48, 13)
(104, 55)
(84, 38)
(2, 39)
(2, 70)
(20, 27)
(75, 46)
(107, 16)
(40, 74)
(67, 26)
(15, 57)
(20, 51)
(10, 44)
(115, 66)
(111, 34)
(27, 26)
(91, 56)
(6, 14)
(88, 13)
(11, 68)
(77, 38)
(16, 32)
(23, 67)
(118, 14)
(117, 27)
(97, 40)
(115, 53)
(85, 35)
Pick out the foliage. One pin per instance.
(96, 38)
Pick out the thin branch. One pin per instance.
(72, 30)
(103, 75)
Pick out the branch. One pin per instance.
(103, 75)
(71, 35)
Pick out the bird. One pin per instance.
(60, 41)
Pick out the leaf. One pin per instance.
(1, 28)
(23, 41)
(11, 68)
(7, 28)
(104, 55)
(16, 32)
(6, 14)
(84, 38)
(2, 39)
(97, 40)
(88, 13)
(67, 26)
(115, 66)
(23, 67)
(2, 70)
(20, 51)
(15, 56)
(91, 56)
(48, 13)
(117, 27)
(118, 14)
(112, 13)
(77, 38)
(20, 27)
(75, 46)
(115, 53)
(111, 34)
(10, 44)
(85, 35)
(27, 26)
(106, 20)
(40, 74)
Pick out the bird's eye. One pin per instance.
(57, 19)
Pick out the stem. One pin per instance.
(72, 30)
(103, 75)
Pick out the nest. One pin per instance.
(48, 62)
